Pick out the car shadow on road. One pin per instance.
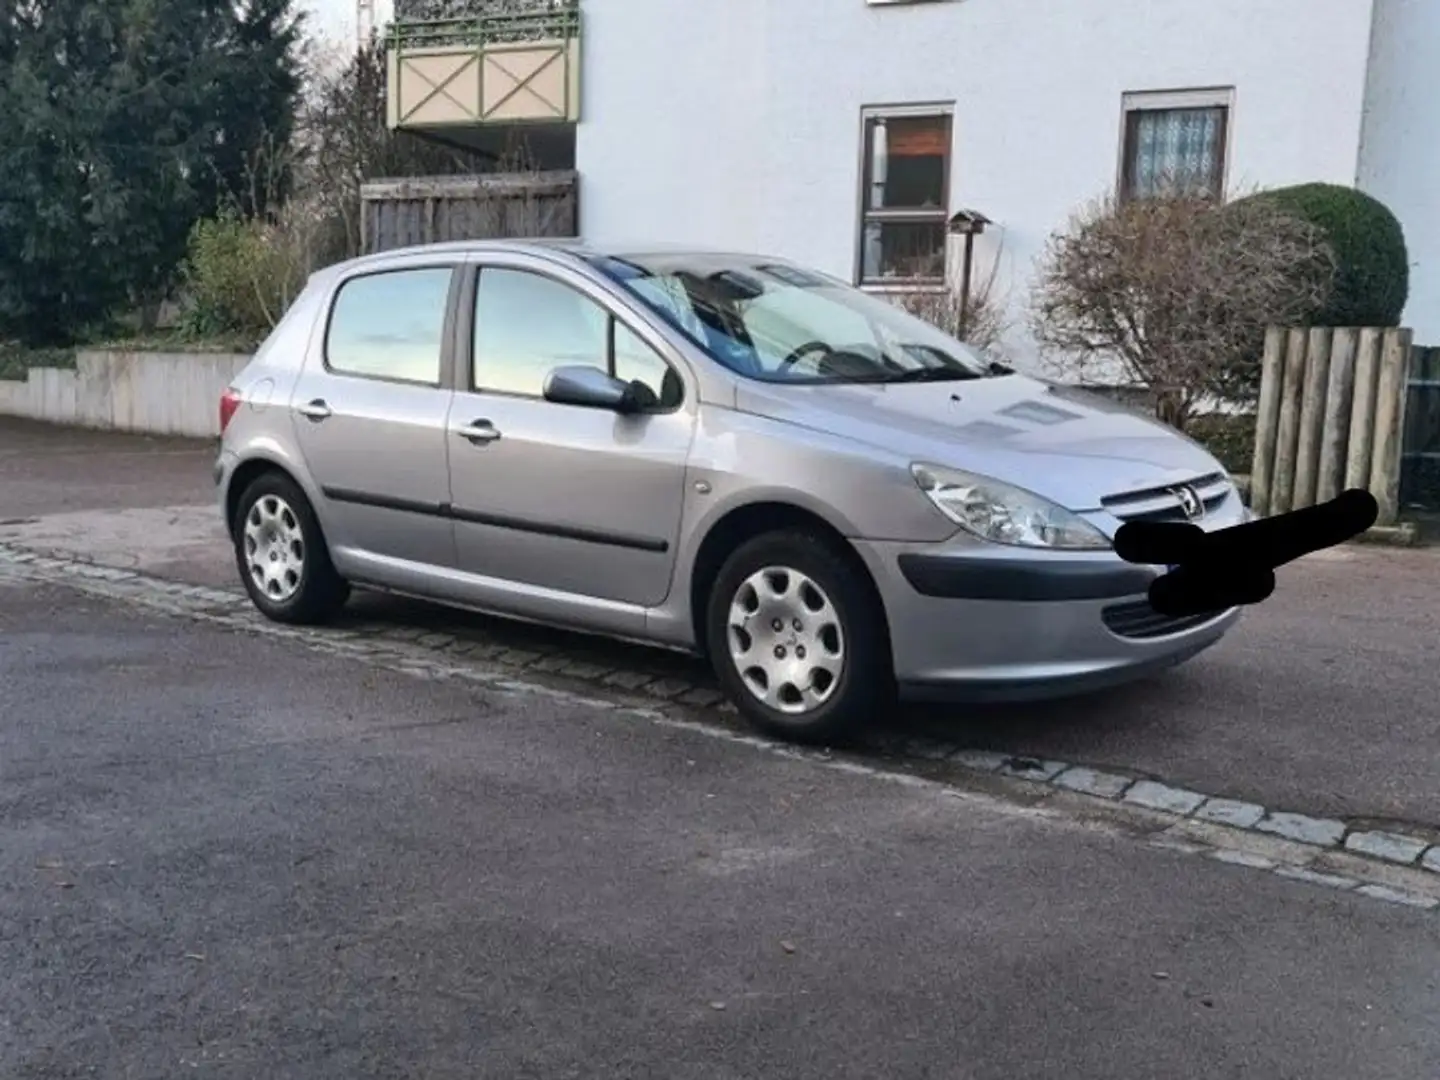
(1076, 726)
(1066, 727)
(491, 636)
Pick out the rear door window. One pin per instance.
(390, 325)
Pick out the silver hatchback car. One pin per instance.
(719, 453)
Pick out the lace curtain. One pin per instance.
(1176, 150)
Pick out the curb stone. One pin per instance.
(1093, 782)
(1241, 815)
(1412, 861)
(1321, 832)
(1405, 534)
(1392, 847)
(1155, 796)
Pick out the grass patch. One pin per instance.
(1230, 438)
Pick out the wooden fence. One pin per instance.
(1331, 417)
(430, 210)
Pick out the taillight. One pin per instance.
(229, 401)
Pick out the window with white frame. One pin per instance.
(1176, 143)
(905, 196)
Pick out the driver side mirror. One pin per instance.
(591, 388)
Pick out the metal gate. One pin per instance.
(1420, 453)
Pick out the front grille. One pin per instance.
(1162, 504)
(1137, 619)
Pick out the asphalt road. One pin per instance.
(1322, 702)
(50, 470)
(222, 856)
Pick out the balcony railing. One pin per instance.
(430, 23)
(467, 63)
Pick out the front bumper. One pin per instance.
(982, 622)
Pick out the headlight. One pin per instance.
(1003, 514)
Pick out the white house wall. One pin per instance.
(739, 124)
(672, 141)
(1400, 150)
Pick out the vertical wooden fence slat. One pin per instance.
(1389, 423)
(1287, 435)
(1362, 410)
(1267, 420)
(1335, 412)
(1312, 414)
(1336, 420)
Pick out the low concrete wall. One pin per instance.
(154, 393)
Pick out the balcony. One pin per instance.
(461, 68)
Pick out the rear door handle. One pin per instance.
(479, 431)
(315, 410)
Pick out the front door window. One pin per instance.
(527, 324)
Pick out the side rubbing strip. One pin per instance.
(540, 528)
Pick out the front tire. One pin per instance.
(282, 555)
(797, 638)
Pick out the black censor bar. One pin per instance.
(1234, 566)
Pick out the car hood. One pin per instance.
(1071, 447)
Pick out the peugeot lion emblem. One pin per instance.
(1190, 502)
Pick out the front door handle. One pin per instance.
(479, 431)
(315, 410)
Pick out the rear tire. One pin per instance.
(797, 638)
(282, 556)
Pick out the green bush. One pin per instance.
(1372, 279)
(243, 273)
(225, 277)
(1230, 438)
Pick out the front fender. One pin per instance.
(863, 491)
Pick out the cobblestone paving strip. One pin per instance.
(1394, 865)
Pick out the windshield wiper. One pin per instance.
(930, 374)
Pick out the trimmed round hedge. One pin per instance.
(1372, 278)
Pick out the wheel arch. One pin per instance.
(246, 473)
(749, 520)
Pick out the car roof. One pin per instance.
(575, 247)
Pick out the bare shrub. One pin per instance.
(982, 322)
(346, 140)
(299, 205)
(296, 241)
(242, 274)
(1178, 290)
(247, 265)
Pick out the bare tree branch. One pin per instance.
(982, 322)
(1178, 290)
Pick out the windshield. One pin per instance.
(779, 323)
